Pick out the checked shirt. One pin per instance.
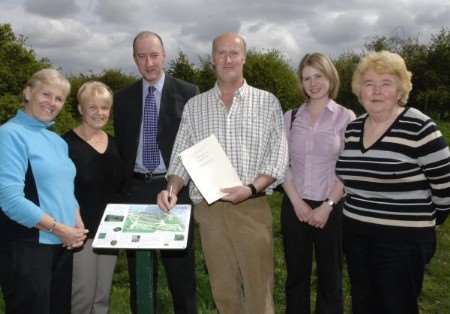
(251, 133)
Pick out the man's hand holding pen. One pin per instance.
(167, 199)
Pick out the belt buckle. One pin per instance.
(148, 176)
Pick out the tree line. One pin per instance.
(269, 70)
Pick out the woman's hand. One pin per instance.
(71, 237)
(319, 216)
(302, 210)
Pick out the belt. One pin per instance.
(149, 176)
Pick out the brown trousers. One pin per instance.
(237, 245)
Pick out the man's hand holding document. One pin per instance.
(210, 168)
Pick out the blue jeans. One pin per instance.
(386, 277)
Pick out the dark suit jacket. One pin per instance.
(128, 116)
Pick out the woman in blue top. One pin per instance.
(39, 216)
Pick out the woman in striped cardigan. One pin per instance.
(396, 172)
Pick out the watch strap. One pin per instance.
(252, 187)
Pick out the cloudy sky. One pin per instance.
(91, 35)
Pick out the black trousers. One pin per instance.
(300, 240)
(386, 276)
(36, 279)
(179, 265)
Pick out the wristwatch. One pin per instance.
(252, 187)
(330, 202)
(52, 227)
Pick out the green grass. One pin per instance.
(435, 297)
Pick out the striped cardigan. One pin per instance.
(399, 187)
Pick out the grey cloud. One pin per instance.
(97, 34)
(120, 12)
(255, 27)
(274, 11)
(438, 17)
(338, 30)
(51, 8)
(60, 35)
(96, 53)
(396, 22)
(209, 28)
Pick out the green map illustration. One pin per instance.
(151, 219)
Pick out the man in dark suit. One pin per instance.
(145, 165)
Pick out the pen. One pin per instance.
(170, 193)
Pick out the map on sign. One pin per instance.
(136, 226)
(149, 220)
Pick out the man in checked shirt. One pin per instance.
(236, 231)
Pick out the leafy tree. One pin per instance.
(415, 56)
(430, 66)
(436, 102)
(205, 77)
(345, 66)
(378, 43)
(17, 64)
(182, 69)
(18, 61)
(65, 121)
(271, 72)
(439, 56)
(8, 106)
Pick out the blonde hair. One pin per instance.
(94, 89)
(50, 77)
(384, 62)
(322, 63)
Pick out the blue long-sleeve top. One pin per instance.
(26, 142)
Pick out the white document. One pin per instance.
(209, 168)
(143, 226)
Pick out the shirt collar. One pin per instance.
(330, 106)
(240, 92)
(159, 85)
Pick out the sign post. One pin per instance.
(145, 301)
(144, 228)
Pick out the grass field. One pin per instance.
(435, 297)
